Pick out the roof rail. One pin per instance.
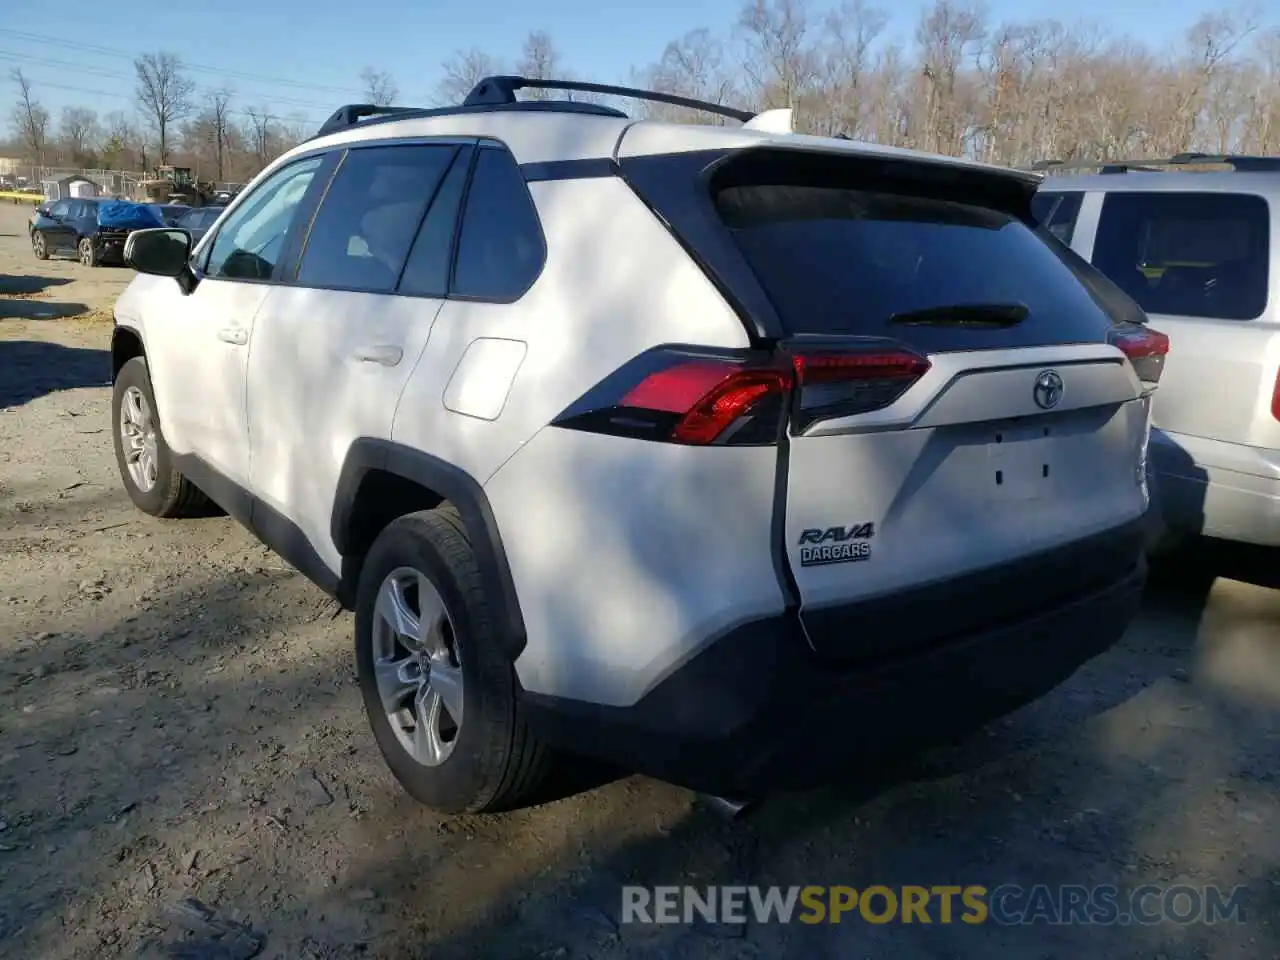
(1238, 162)
(492, 91)
(353, 113)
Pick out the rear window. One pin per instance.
(842, 261)
(1187, 254)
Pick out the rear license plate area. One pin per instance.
(1019, 465)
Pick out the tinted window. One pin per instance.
(1187, 254)
(426, 273)
(251, 241)
(1057, 212)
(60, 209)
(845, 261)
(192, 221)
(500, 249)
(370, 215)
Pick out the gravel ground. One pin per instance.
(179, 718)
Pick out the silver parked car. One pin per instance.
(1195, 240)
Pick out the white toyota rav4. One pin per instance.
(725, 454)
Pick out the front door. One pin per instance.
(204, 340)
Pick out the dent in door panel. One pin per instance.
(483, 377)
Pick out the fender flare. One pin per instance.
(460, 489)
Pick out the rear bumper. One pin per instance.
(1225, 490)
(110, 248)
(758, 710)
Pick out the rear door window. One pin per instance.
(370, 215)
(842, 261)
(1187, 254)
(1057, 212)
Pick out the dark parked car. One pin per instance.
(71, 226)
(198, 221)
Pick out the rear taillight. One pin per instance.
(676, 396)
(1275, 398)
(850, 382)
(1145, 348)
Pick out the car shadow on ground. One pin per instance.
(30, 369)
(10, 285)
(40, 309)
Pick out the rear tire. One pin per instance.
(88, 252)
(153, 483)
(485, 760)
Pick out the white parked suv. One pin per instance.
(1195, 241)
(725, 454)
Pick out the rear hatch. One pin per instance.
(966, 434)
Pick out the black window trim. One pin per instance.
(466, 153)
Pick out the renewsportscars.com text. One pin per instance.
(1008, 904)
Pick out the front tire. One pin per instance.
(39, 245)
(440, 693)
(153, 483)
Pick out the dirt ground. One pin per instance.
(179, 718)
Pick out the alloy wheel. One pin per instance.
(138, 436)
(416, 666)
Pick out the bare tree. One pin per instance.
(539, 60)
(847, 65)
(29, 119)
(780, 61)
(462, 72)
(219, 107)
(164, 94)
(78, 134)
(693, 66)
(259, 135)
(949, 35)
(379, 88)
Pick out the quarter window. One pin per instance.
(1187, 254)
(500, 250)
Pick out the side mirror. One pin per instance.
(160, 251)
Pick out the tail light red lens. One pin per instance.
(1145, 348)
(672, 396)
(1275, 398)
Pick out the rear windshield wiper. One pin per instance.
(965, 315)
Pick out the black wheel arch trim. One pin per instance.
(458, 488)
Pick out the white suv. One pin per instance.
(726, 454)
(1195, 241)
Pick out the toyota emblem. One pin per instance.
(1048, 389)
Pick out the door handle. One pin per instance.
(385, 354)
(236, 335)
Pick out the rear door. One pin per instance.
(961, 416)
(1199, 264)
(334, 346)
